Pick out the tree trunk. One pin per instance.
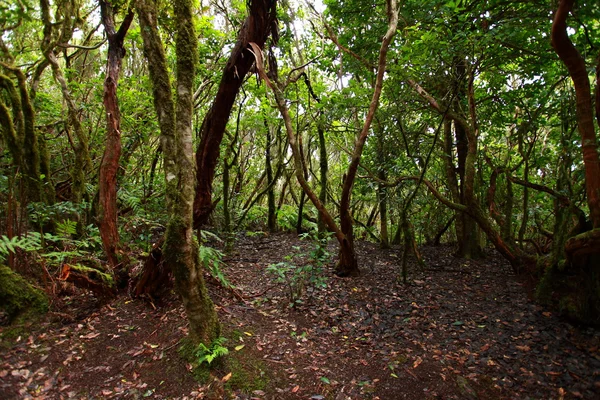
(272, 212)
(347, 264)
(109, 166)
(257, 27)
(79, 144)
(323, 168)
(20, 139)
(585, 115)
(180, 248)
(382, 195)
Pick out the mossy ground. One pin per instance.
(248, 371)
(19, 299)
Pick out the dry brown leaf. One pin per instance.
(226, 378)
(417, 362)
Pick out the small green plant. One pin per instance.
(300, 278)
(27, 243)
(62, 247)
(287, 216)
(204, 354)
(212, 260)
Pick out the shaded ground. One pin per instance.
(459, 330)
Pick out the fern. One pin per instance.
(207, 235)
(28, 243)
(209, 354)
(66, 229)
(211, 259)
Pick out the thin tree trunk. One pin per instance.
(80, 145)
(347, 263)
(109, 166)
(272, 212)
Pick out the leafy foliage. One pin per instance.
(212, 260)
(214, 351)
(28, 243)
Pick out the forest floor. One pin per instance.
(459, 330)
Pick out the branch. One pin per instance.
(76, 46)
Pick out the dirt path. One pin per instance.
(459, 330)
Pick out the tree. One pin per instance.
(257, 27)
(109, 166)
(175, 120)
(347, 263)
(51, 40)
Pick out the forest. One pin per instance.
(299, 199)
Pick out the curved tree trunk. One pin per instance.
(109, 167)
(257, 27)
(347, 262)
(585, 115)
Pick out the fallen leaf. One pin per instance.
(89, 335)
(239, 347)
(226, 378)
(417, 362)
(295, 388)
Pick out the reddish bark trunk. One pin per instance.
(109, 167)
(585, 116)
(260, 22)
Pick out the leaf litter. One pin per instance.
(458, 330)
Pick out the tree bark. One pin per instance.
(272, 212)
(80, 145)
(260, 22)
(109, 166)
(180, 248)
(348, 266)
(585, 116)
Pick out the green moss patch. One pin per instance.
(18, 298)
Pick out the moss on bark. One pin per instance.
(18, 298)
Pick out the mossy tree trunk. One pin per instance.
(109, 166)
(21, 137)
(78, 142)
(15, 133)
(175, 119)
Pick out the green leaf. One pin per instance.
(325, 380)
(458, 323)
